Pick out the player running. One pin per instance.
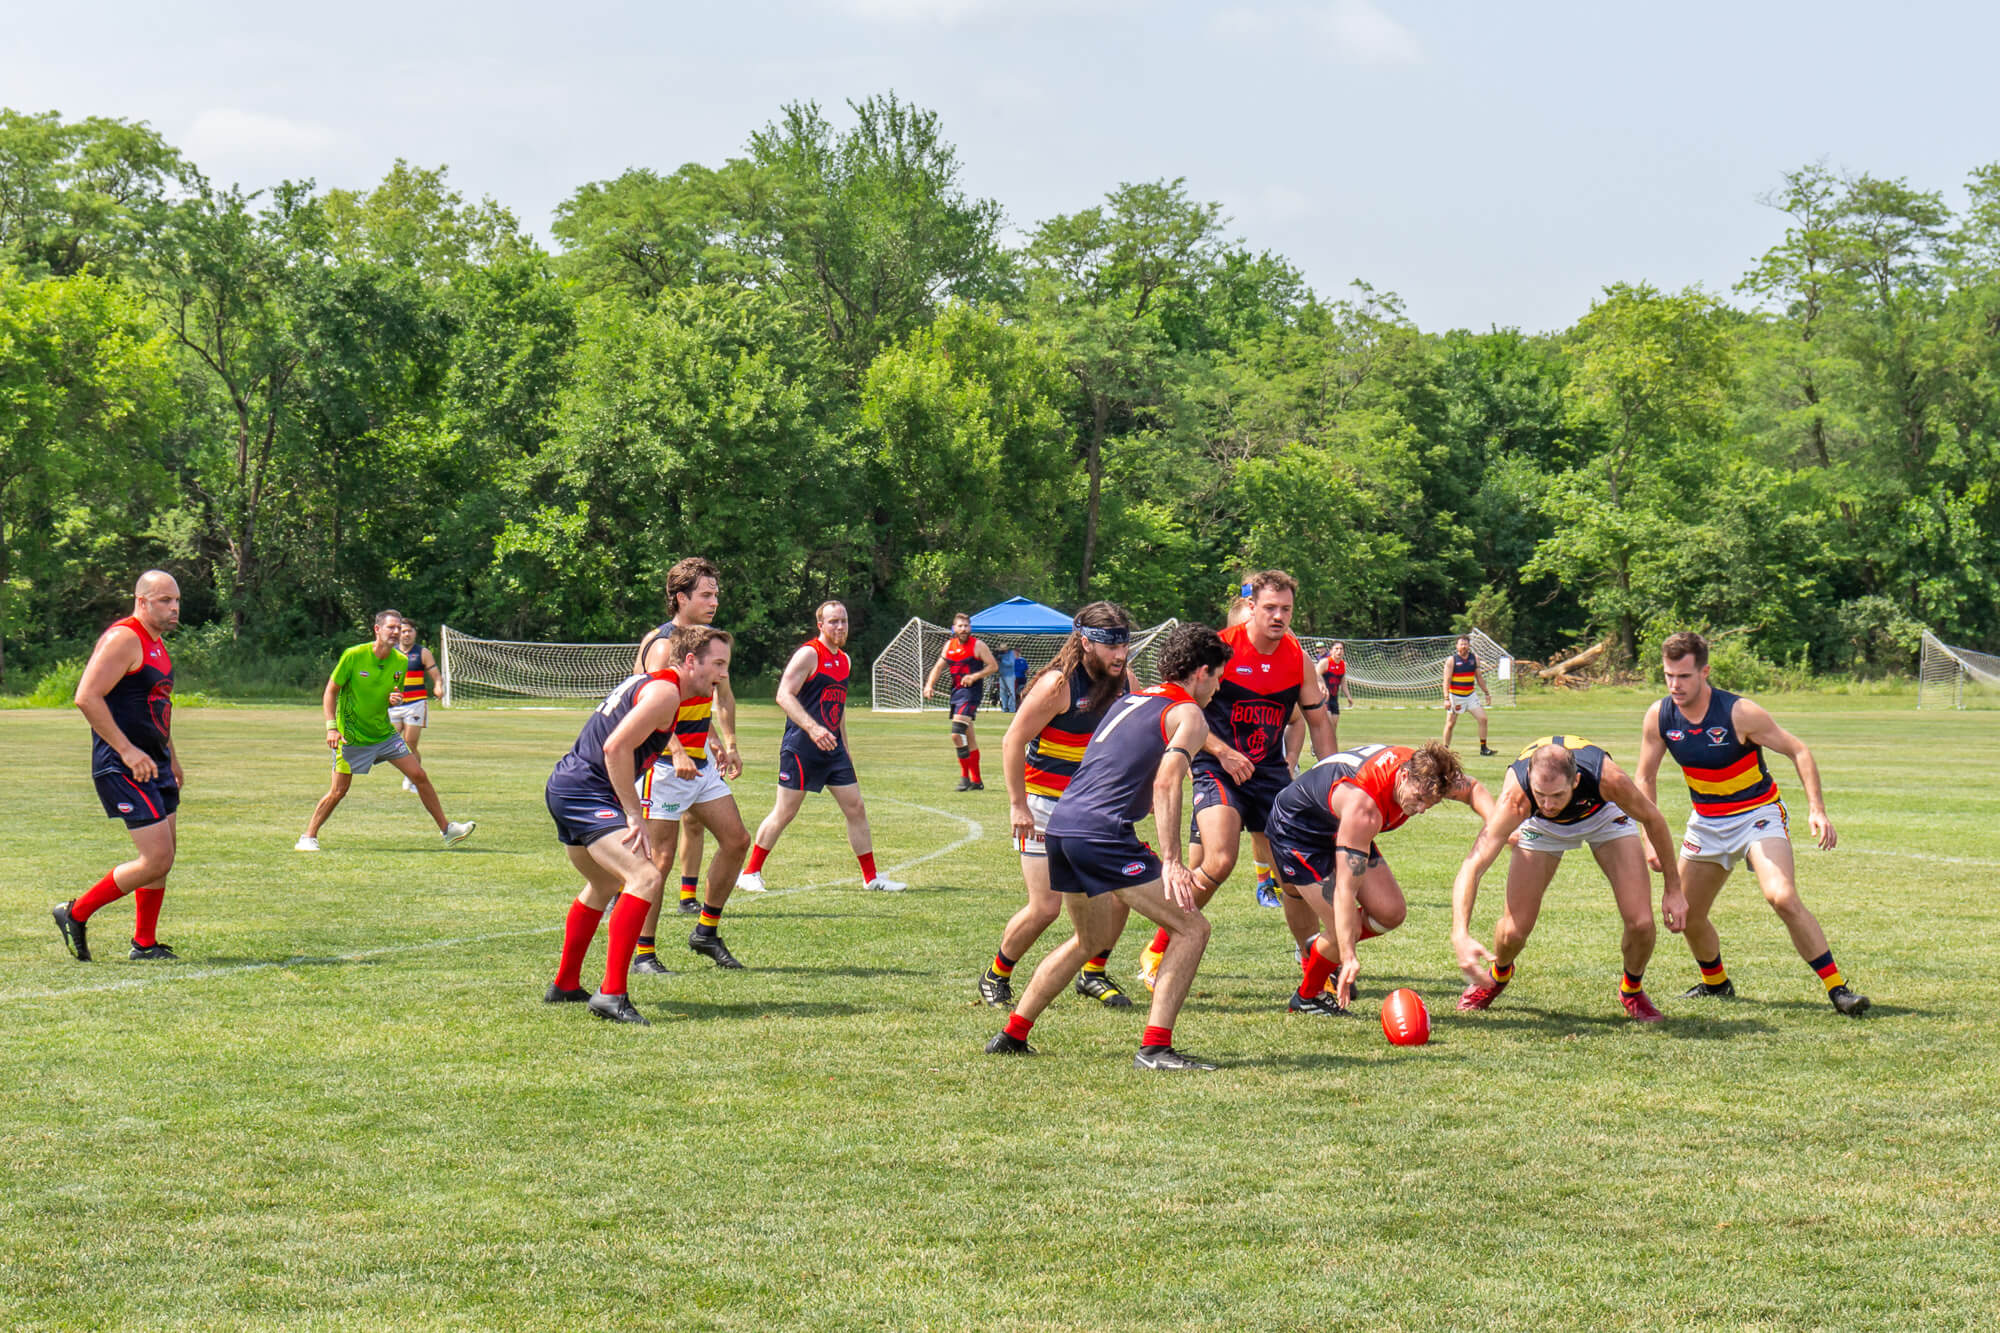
(1463, 674)
(1131, 766)
(1719, 740)
(593, 796)
(420, 681)
(812, 693)
(1039, 756)
(127, 696)
(686, 790)
(1561, 794)
(1244, 764)
(365, 682)
(1323, 829)
(969, 661)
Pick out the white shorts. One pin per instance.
(664, 796)
(1726, 841)
(417, 714)
(1469, 704)
(1607, 825)
(1041, 807)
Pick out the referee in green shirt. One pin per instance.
(365, 682)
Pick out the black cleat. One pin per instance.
(557, 995)
(1101, 988)
(713, 947)
(1166, 1057)
(1002, 1044)
(1848, 1002)
(976, 786)
(72, 932)
(153, 953)
(1486, 752)
(617, 1008)
(690, 907)
(996, 991)
(964, 783)
(649, 965)
(1701, 990)
(1319, 1006)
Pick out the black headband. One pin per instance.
(1110, 637)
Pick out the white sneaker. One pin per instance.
(306, 843)
(751, 881)
(454, 834)
(409, 786)
(882, 884)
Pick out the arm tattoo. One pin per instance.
(1357, 862)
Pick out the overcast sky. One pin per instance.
(1495, 164)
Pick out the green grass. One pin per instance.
(331, 1116)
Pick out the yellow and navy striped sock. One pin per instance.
(1097, 964)
(1713, 973)
(1631, 983)
(689, 885)
(1503, 972)
(1002, 968)
(1829, 975)
(645, 946)
(705, 924)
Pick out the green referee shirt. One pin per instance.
(365, 681)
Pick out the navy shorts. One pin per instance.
(1092, 867)
(1309, 863)
(582, 815)
(965, 702)
(806, 767)
(139, 804)
(1252, 799)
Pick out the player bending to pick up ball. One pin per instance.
(812, 693)
(1323, 831)
(1719, 739)
(593, 795)
(1133, 765)
(1561, 794)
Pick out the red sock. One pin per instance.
(973, 759)
(1318, 968)
(964, 766)
(1160, 941)
(628, 922)
(1017, 1026)
(102, 893)
(578, 932)
(867, 860)
(757, 855)
(1157, 1037)
(145, 929)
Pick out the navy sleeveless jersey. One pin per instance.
(1055, 751)
(1113, 786)
(585, 761)
(1588, 798)
(1305, 808)
(1254, 702)
(141, 703)
(823, 695)
(1725, 775)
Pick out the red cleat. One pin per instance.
(1641, 1008)
(1479, 997)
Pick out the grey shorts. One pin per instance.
(358, 759)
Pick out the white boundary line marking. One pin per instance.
(1923, 856)
(973, 833)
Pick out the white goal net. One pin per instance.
(1949, 677)
(506, 669)
(898, 677)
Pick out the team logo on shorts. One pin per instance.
(1690, 845)
(608, 814)
(1622, 819)
(124, 807)
(1762, 823)
(1135, 867)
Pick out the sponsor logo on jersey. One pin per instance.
(1135, 868)
(1243, 671)
(1677, 735)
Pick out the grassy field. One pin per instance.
(349, 1109)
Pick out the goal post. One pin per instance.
(1411, 671)
(471, 668)
(1951, 677)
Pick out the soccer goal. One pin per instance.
(1949, 677)
(1411, 671)
(508, 669)
(898, 675)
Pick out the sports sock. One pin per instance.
(578, 932)
(1003, 966)
(1318, 967)
(1159, 944)
(704, 925)
(105, 891)
(972, 758)
(690, 884)
(1829, 975)
(644, 946)
(867, 860)
(1156, 1036)
(1097, 964)
(146, 925)
(627, 920)
(1017, 1026)
(752, 867)
(1503, 972)
(964, 766)
(1713, 973)
(1263, 874)
(1631, 983)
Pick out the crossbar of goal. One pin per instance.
(1953, 677)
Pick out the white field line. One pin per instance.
(1922, 856)
(973, 833)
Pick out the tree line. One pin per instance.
(823, 364)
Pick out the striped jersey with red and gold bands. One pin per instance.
(1725, 775)
(691, 723)
(1464, 674)
(416, 681)
(1057, 748)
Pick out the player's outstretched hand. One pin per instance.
(1474, 962)
(1180, 886)
(1822, 830)
(1350, 972)
(1674, 908)
(142, 765)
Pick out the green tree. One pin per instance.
(80, 195)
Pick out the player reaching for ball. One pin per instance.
(593, 796)
(812, 756)
(1719, 739)
(1561, 794)
(970, 662)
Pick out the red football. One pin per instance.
(1405, 1021)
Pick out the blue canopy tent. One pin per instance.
(1031, 629)
(1020, 615)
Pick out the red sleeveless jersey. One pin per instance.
(1256, 697)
